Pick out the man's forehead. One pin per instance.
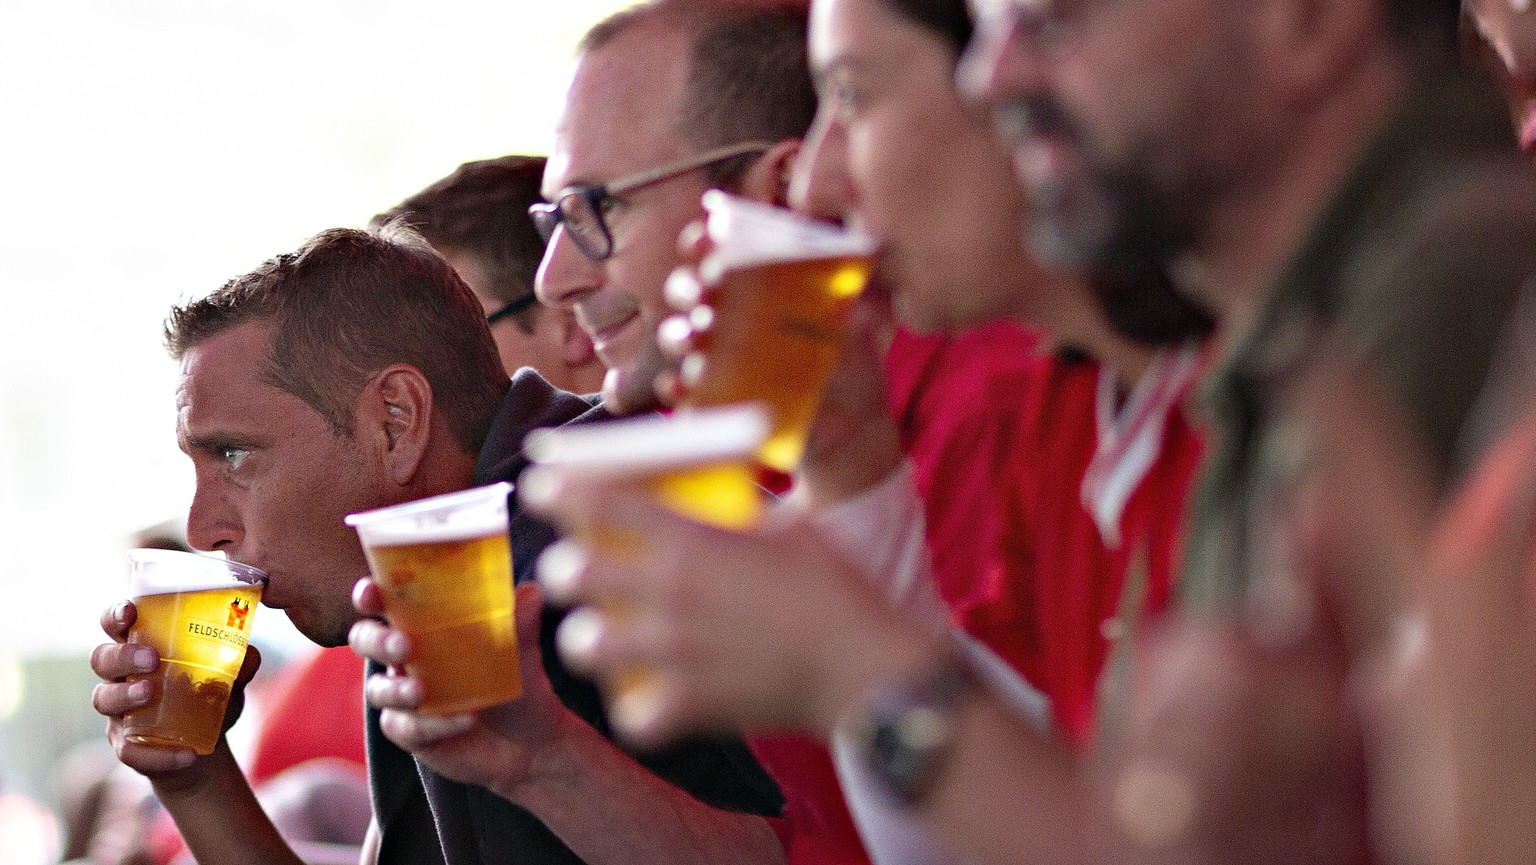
(622, 112)
(222, 376)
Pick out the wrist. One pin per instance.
(870, 657)
(905, 732)
(546, 767)
(200, 776)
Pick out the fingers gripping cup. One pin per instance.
(196, 611)
(700, 465)
(777, 288)
(444, 566)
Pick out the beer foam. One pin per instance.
(460, 516)
(652, 444)
(747, 232)
(160, 572)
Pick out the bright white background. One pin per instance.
(150, 150)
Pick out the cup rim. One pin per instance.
(431, 503)
(239, 570)
(688, 438)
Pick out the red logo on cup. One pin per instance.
(238, 609)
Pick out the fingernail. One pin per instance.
(396, 646)
(557, 569)
(183, 759)
(635, 710)
(120, 612)
(682, 290)
(410, 691)
(537, 487)
(140, 690)
(578, 634)
(145, 659)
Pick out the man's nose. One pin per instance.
(565, 274)
(1005, 62)
(819, 185)
(213, 523)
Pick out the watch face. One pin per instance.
(910, 727)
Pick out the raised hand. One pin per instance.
(725, 629)
(497, 747)
(116, 697)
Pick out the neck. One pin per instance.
(443, 469)
(1077, 321)
(1255, 231)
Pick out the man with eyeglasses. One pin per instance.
(669, 99)
(477, 219)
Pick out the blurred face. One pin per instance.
(896, 153)
(273, 482)
(619, 118)
(559, 349)
(1126, 118)
(1509, 29)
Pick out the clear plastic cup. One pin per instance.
(196, 611)
(774, 298)
(444, 566)
(700, 465)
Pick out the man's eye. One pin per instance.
(235, 457)
(845, 98)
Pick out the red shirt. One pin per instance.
(1056, 617)
(316, 710)
(952, 398)
(957, 401)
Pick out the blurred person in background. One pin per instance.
(1460, 665)
(105, 808)
(29, 829)
(1099, 454)
(1333, 172)
(400, 396)
(477, 219)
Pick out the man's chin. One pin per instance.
(322, 634)
(627, 391)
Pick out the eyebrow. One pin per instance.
(209, 442)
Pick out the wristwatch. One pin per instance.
(908, 729)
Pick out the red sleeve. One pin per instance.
(815, 828)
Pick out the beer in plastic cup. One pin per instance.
(444, 566)
(196, 611)
(777, 288)
(700, 465)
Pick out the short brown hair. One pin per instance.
(481, 210)
(748, 75)
(346, 305)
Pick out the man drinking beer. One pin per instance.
(399, 395)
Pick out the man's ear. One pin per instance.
(768, 178)
(396, 410)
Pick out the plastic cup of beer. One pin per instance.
(776, 291)
(444, 567)
(196, 611)
(701, 465)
